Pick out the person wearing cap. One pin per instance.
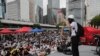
(74, 37)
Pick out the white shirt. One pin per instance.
(74, 28)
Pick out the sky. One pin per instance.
(45, 2)
(62, 3)
(9, 0)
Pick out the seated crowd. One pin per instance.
(29, 45)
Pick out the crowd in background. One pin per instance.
(29, 44)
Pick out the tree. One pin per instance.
(36, 26)
(62, 23)
(57, 26)
(95, 21)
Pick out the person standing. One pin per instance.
(74, 36)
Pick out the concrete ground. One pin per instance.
(84, 51)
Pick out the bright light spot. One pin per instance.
(62, 3)
(10, 1)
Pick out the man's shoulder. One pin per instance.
(74, 23)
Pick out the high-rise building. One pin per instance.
(39, 11)
(24, 12)
(92, 8)
(32, 11)
(18, 10)
(53, 7)
(55, 11)
(77, 8)
(54, 3)
(0, 8)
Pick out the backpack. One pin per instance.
(80, 31)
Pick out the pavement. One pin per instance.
(83, 50)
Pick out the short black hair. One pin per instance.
(70, 20)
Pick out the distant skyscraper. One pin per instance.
(39, 11)
(92, 8)
(54, 3)
(24, 12)
(18, 10)
(77, 8)
(2, 8)
(53, 7)
(32, 10)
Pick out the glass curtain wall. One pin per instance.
(2, 8)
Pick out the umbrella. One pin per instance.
(5, 31)
(37, 30)
(90, 30)
(24, 29)
(97, 31)
(66, 29)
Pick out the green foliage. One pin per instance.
(36, 26)
(62, 24)
(57, 26)
(95, 21)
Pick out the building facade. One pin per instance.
(18, 10)
(32, 11)
(53, 8)
(39, 11)
(92, 8)
(24, 12)
(0, 9)
(55, 11)
(77, 8)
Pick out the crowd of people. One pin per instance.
(29, 44)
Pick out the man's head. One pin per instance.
(71, 18)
